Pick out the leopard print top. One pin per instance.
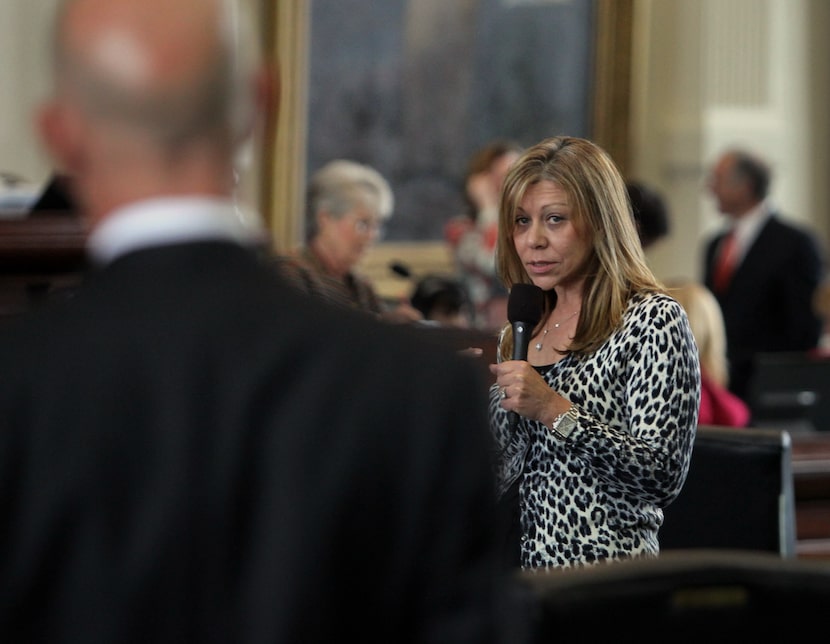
(598, 495)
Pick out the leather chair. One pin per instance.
(791, 390)
(682, 596)
(738, 494)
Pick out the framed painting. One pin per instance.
(413, 87)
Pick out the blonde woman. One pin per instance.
(609, 394)
(718, 406)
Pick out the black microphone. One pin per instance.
(525, 306)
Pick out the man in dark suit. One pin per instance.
(191, 451)
(763, 270)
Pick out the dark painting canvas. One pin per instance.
(413, 87)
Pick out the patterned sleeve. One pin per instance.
(650, 375)
(511, 447)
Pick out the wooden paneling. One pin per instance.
(40, 257)
(811, 478)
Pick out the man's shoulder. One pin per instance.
(436, 352)
(779, 222)
(782, 232)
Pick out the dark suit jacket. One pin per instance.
(191, 451)
(768, 304)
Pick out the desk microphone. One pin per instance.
(525, 305)
(400, 269)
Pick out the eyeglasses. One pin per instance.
(368, 226)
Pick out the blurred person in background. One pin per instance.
(443, 300)
(650, 212)
(718, 405)
(346, 205)
(472, 235)
(763, 270)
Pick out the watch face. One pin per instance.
(566, 425)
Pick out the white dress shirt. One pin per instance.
(172, 220)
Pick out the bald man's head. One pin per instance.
(168, 70)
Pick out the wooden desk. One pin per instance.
(40, 256)
(811, 479)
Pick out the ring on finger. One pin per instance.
(503, 393)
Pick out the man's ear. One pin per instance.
(61, 133)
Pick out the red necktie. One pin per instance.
(725, 263)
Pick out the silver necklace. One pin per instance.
(538, 346)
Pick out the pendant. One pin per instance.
(538, 345)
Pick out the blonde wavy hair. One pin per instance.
(617, 267)
(706, 320)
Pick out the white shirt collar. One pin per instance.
(171, 220)
(747, 227)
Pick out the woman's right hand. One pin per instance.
(524, 391)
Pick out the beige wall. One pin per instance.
(23, 79)
(24, 75)
(713, 73)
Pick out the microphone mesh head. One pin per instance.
(525, 303)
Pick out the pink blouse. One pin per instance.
(719, 406)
